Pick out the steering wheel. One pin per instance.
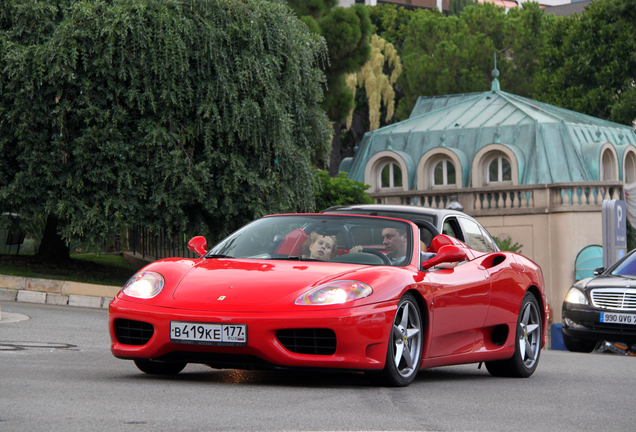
(385, 259)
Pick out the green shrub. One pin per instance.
(339, 190)
(505, 244)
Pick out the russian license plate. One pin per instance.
(617, 318)
(208, 334)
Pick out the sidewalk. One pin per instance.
(56, 292)
(64, 293)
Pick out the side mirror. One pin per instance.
(198, 245)
(597, 271)
(446, 254)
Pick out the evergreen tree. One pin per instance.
(347, 32)
(391, 22)
(456, 7)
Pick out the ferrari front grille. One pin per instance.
(623, 299)
(129, 332)
(308, 341)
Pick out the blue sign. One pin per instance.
(614, 220)
(620, 224)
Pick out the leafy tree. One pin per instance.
(347, 32)
(184, 115)
(378, 88)
(589, 63)
(454, 54)
(377, 85)
(339, 190)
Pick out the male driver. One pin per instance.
(394, 241)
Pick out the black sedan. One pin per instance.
(602, 308)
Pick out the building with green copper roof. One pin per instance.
(529, 171)
(549, 144)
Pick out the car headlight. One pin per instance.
(336, 292)
(144, 285)
(575, 296)
(569, 323)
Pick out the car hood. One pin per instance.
(606, 282)
(226, 283)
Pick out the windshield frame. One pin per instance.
(219, 249)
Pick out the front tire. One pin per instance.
(404, 352)
(527, 344)
(159, 368)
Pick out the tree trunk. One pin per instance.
(53, 248)
(336, 147)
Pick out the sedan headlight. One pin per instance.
(336, 292)
(575, 296)
(144, 285)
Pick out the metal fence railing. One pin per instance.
(158, 245)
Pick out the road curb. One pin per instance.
(56, 292)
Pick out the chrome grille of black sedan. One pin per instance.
(308, 341)
(130, 332)
(623, 299)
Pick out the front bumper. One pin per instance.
(362, 334)
(588, 325)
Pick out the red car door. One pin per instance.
(508, 288)
(461, 296)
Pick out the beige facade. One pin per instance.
(552, 222)
(552, 241)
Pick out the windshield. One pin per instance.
(344, 239)
(626, 267)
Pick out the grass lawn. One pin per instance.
(89, 268)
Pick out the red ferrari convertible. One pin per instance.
(334, 291)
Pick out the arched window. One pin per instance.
(499, 170)
(441, 168)
(608, 166)
(498, 165)
(629, 169)
(388, 171)
(390, 176)
(443, 173)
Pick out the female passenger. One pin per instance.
(320, 247)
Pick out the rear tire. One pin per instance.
(404, 352)
(527, 343)
(159, 368)
(578, 345)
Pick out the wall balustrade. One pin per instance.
(512, 200)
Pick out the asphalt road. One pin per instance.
(57, 374)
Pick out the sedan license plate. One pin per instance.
(208, 334)
(617, 318)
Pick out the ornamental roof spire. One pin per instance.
(495, 74)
